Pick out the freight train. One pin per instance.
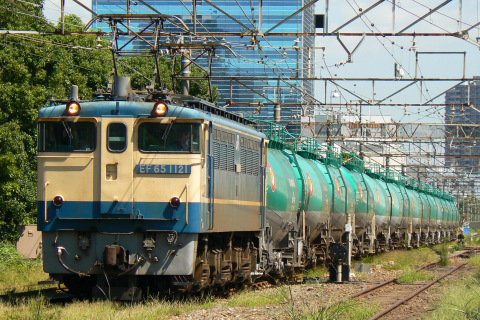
(142, 192)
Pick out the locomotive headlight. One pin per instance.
(175, 202)
(73, 108)
(58, 200)
(160, 109)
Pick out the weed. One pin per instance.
(474, 260)
(318, 271)
(461, 301)
(302, 310)
(457, 246)
(410, 275)
(403, 258)
(16, 269)
(250, 298)
(443, 252)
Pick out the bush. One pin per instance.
(443, 252)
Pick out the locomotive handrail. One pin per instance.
(211, 174)
(170, 158)
(129, 217)
(61, 157)
(186, 203)
(45, 198)
(263, 171)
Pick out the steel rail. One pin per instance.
(361, 293)
(429, 265)
(416, 293)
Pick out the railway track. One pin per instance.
(393, 294)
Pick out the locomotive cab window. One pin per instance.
(172, 137)
(117, 137)
(67, 136)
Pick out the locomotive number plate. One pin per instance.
(163, 168)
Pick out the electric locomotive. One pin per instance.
(160, 192)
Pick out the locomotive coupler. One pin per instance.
(115, 257)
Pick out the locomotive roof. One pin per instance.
(127, 109)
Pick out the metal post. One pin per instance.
(277, 109)
(194, 16)
(129, 11)
(62, 8)
(339, 271)
(460, 15)
(349, 230)
(325, 27)
(360, 147)
(393, 16)
(260, 16)
(186, 72)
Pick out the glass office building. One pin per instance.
(461, 148)
(284, 57)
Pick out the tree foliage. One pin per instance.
(32, 69)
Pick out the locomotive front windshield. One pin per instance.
(171, 137)
(66, 136)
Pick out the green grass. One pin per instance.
(472, 240)
(318, 271)
(443, 253)
(457, 247)
(16, 269)
(410, 275)
(474, 260)
(403, 258)
(251, 298)
(461, 301)
(39, 308)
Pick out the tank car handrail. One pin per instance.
(353, 162)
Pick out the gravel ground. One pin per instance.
(309, 297)
(303, 297)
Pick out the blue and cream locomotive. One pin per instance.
(168, 194)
